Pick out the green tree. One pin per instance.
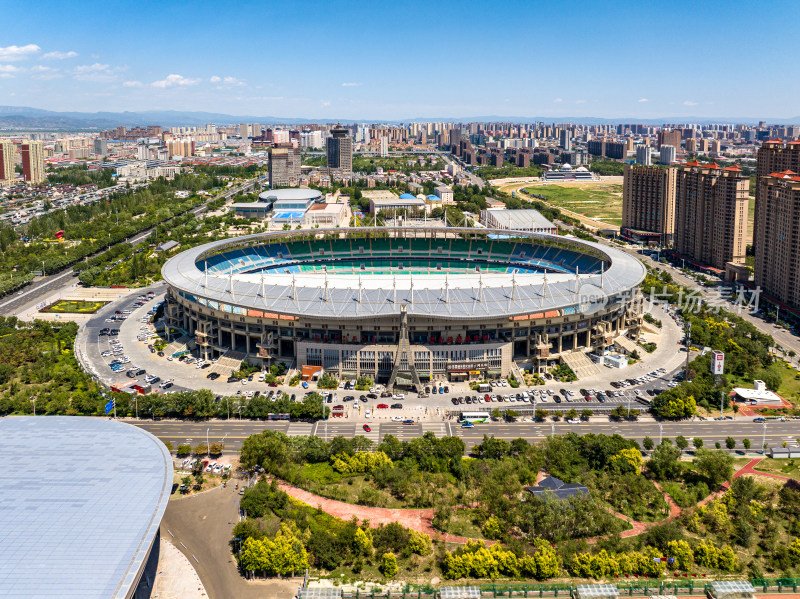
(648, 443)
(388, 565)
(681, 442)
(746, 443)
(697, 442)
(200, 449)
(184, 449)
(215, 449)
(730, 442)
(663, 464)
(586, 414)
(682, 553)
(716, 466)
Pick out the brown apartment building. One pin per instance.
(711, 214)
(648, 203)
(774, 156)
(670, 138)
(777, 265)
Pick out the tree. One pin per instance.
(492, 448)
(541, 415)
(572, 414)
(586, 414)
(681, 442)
(200, 449)
(168, 445)
(184, 449)
(730, 442)
(697, 442)
(673, 404)
(682, 553)
(664, 463)
(388, 565)
(648, 443)
(215, 449)
(746, 443)
(716, 466)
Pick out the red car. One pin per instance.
(367, 428)
(382, 406)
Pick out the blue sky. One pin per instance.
(405, 59)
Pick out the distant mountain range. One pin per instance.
(25, 118)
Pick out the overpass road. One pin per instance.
(234, 432)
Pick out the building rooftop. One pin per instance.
(520, 219)
(295, 193)
(81, 506)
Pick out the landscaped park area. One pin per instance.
(570, 508)
(73, 307)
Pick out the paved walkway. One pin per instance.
(176, 577)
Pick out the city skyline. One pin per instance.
(421, 60)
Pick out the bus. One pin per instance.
(474, 417)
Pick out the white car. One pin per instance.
(397, 396)
(574, 421)
(397, 419)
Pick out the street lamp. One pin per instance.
(660, 433)
(764, 439)
(208, 447)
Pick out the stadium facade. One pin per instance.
(404, 305)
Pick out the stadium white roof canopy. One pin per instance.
(81, 500)
(459, 296)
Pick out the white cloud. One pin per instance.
(326, 103)
(58, 55)
(13, 53)
(42, 72)
(92, 68)
(643, 100)
(96, 72)
(558, 100)
(689, 103)
(580, 101)
(226, 82)
(132, 84)
(173, 80)
(352, 84)
(9, 68)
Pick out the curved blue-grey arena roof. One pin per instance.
(465, 296)
(81, 500)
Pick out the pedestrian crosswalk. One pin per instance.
(373, 435)
(436, 428)
(297, 429)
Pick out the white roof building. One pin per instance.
(759, 394)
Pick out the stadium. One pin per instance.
(404, 305)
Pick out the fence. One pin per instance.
(636, 587)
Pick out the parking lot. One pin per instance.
(124, 359)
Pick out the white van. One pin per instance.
(368, 414)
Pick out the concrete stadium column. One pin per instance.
(560, 339)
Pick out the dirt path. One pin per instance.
(415, 519)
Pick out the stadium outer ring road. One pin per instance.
(254, 305)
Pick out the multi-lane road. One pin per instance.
(234, 432)
(48, 286)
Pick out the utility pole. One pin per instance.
(764, 440)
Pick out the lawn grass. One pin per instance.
(323, 480)
(73, 307)
(462, 523)
(790, 385)
(790, 468)
(601, 201)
